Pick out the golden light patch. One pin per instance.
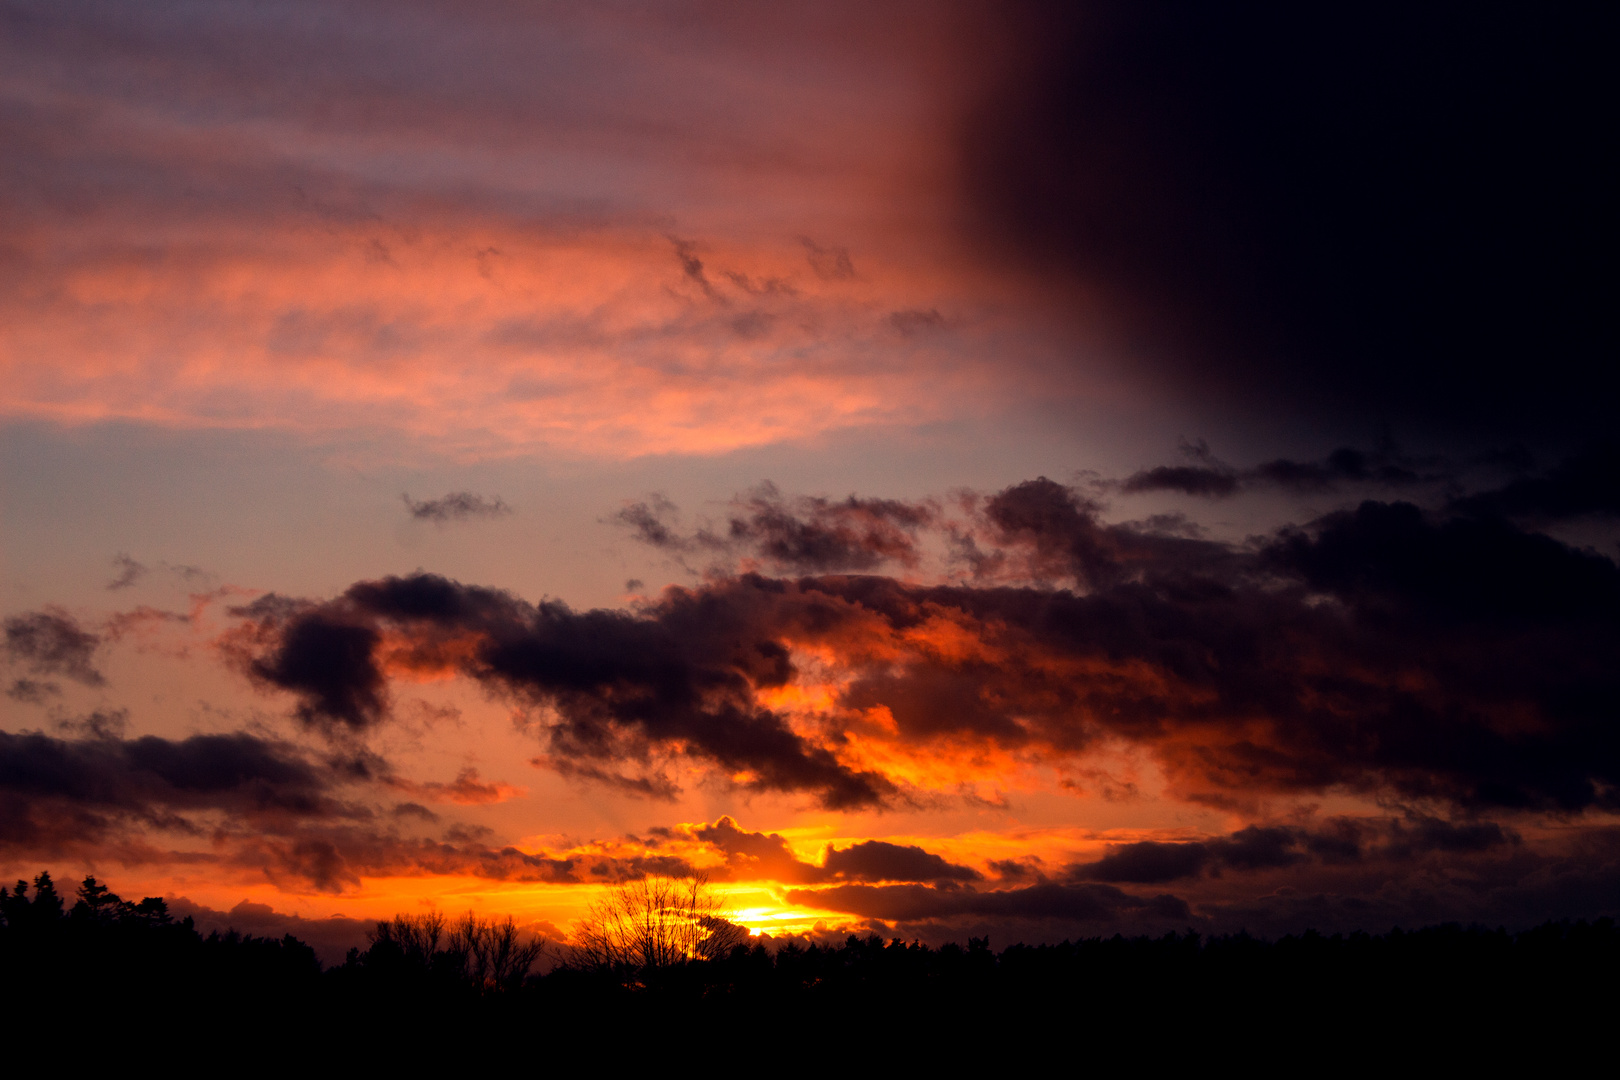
(413, 656)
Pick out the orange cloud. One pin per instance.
(468, 789)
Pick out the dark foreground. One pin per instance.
(132, 981)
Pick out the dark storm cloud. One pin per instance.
(1482, 879)
(815, 534)
(330, 662)
(262, 805)
(1151, 862)
(1339, 874)
(456, 506)
(1585, 484)
(1372, 842)
(1390, 559)
(1344, 465)
(1358, 210)
(61, 791)
(51, 642)
(875, 860)
(1487, 613)
(623, 686)
(1187, 479)
(1422, 835)
(1382, 467)
(1256, 848)
(1380, 649)
(1316, 631)
(332, 858)
(1147, 862)
(1050, 532)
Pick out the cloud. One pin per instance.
(59, 794)
(1264, 878)
(456, 506)
(761, 856)
(756, 856)
(1152, 862)
(1048, 532)
(51, 642)
(817, 534)
(468, 789)
(1459, 573)
(333, 859)
(32, 691)
(1065, 903)
(877, 860)
(622, 686)
(331, 937)
(1486, 880)
(463, 247)
(648, 786)
(1422, 834)
(806, 533)
(1375, 843)
(1383, 467)
(1382, 649)
(1583, 485)
(652, 523)
(1147, 862)
(129, 572)
(99, 724)
(829, 263)
(234, 801)
(329, 661)
(1344, 465)
(1187, 479)
(692, 266)
(915, 321)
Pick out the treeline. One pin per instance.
(1357, 990)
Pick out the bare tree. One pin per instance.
(489, 955)
(416, 936)
(644, 926)
(494, 956)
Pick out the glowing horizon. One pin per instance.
(938, 470)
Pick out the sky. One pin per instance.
(937, 469)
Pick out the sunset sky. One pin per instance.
(940, 469)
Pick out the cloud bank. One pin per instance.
(1383, 649)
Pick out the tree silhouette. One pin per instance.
(496, 958)
(483, 955)
(655, 923)
(37, 915)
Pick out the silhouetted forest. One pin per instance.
(1457, 990)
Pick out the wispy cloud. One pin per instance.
(456, 506)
